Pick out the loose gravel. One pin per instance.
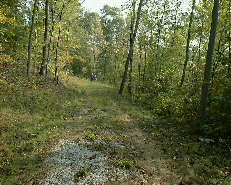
(76, 164)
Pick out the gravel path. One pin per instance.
(76, 164)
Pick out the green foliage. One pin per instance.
(37, 113)
(82, 173)
(13, 28)
(219, 114)
(124, 164)
(91, 136)
(31, 113)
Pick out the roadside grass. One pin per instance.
(35, 114)
(32, 112)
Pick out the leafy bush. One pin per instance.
(220, 113)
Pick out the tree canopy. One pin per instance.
(165, 73)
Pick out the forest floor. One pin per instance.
(83, 132)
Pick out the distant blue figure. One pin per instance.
(93, 77)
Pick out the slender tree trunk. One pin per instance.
(174, 28)
(133, 17)
(115, 68)
(131, 49)
(57, 58)
(188, 43)
(30, 38)
(229, 66)
(145, 64)
(43, 68)
(130, 84)
(105, 69)
(57, 47)
(196, 87)
(208, 65)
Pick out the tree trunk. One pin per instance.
(30, 38)
(133, 17)
(187, 46)
(130, 84)
(57, 58)
(229, 66)
(43, 69)
(57, 47)
(131, 49)
(145, 64)
(208, 65)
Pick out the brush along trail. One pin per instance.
(107, 129)
(83, 132)
(130, 145)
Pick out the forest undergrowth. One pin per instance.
(37, 113)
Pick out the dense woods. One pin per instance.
(157, 53)
(164, 78)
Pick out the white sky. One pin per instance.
(96, 5)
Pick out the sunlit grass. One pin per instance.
(31, 115)
(35, 115)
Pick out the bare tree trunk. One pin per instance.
(30, 38)
(43, 69)
(187, 46)
(131, 49)
(208, 65)
(133, 17)
(57, 58)
(145, 64)
(57, 47)
(229, 66)
(195, 88)
(175, 23)
(130, 84)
